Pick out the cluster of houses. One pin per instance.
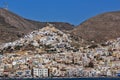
(48, 53)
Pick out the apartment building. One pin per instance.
(40, 72)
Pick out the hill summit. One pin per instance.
(48, 38)
(100, 28)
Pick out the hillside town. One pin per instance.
(48, 52)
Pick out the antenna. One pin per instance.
(5, 5)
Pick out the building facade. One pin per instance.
(40, 72)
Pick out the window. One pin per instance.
(20, 73)
(27, 72)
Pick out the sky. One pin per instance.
(71, 11)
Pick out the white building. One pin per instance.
(40, 72)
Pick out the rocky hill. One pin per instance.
(13, 27)
(59, 25)
(47, 39)
(99, 28)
